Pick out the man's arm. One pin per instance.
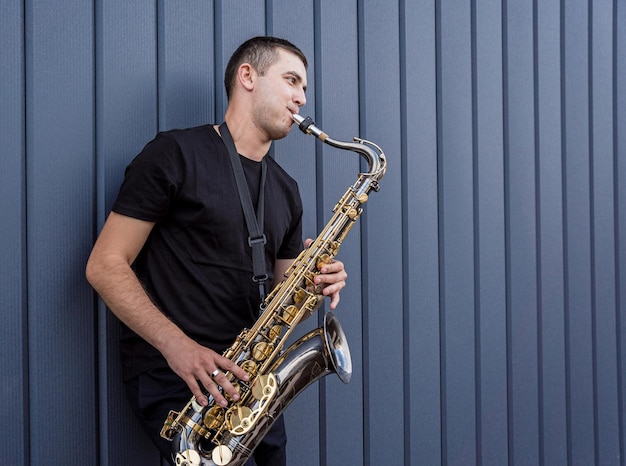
(109, 272)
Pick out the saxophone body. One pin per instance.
(216, 436)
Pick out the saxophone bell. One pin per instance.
(320, 352)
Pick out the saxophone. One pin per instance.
(216, 436)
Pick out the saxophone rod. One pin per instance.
(375, 158)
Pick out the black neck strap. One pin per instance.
(256, 237)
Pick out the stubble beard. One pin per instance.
(270, 126)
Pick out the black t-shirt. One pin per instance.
(196, 265)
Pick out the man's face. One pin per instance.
(278, 94)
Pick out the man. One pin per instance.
(173, 261)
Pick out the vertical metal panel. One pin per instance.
(235, 22)
(186, 75)
(521, 233)
(337, 110)
(13, 333)
(578, 301)
(490, 287)
(126, 104)
(420, 267)
(379, 89)
(60, 141)
(456, 224)
(553, 416)
(602, 233)
(619, 164)
(296, 153)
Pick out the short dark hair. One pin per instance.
(260, 52)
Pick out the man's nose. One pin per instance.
(300, 98)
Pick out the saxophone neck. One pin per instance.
(371, 152)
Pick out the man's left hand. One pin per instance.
(332, 277)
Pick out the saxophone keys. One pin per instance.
(323, 260)
(221, 455)
(299, 296)
(262, 350)
(237, 387)
(214, 418)
(275, 332)
(239, 417)
(257, 388)
(250, 367)
(362, 198)
(188, 458)
(289, 313)
(264, 386)
(168, 430)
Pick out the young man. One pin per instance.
(173, 261)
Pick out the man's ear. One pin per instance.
(247, 76)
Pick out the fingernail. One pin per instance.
(223, 403)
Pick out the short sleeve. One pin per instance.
(152, 181)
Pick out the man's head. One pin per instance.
(261, 53)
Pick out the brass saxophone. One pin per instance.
(216, 436)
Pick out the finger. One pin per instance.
(332, 278)
(197, 392)
(229, 366)
(333, 289)
(223, 381)
(224, 378)
(212, 387)
(334, 301)
(332, 267)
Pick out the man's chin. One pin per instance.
(281, 134)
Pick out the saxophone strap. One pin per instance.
(256, 237)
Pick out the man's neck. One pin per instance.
(248, 140)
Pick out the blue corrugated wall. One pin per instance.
(487, 278)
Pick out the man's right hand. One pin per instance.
(196, 364)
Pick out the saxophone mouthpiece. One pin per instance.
(297, 118)
(307, 126)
